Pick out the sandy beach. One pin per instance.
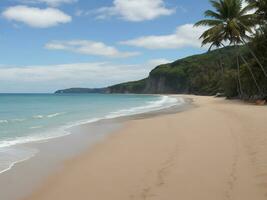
(214, 151)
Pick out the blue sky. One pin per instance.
(52, 44)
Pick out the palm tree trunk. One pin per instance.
(221, 62)
(238, 77)
(221, 66)
(252, 75)
(256, 58)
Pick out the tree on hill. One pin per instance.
(231, 24)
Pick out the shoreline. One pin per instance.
(83, 141)
(67, 129)
(215, 151)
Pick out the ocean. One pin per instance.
(26, 118)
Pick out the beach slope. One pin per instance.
(216, 150)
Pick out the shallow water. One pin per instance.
(26, 118)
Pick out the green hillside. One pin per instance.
(239, 71)
(203, 74)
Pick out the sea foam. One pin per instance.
(14, 154)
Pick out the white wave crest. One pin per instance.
(47, 116)
(35, 127)
(164, 102)
(54, 115)
(50, 134)
(11, 156)
(3, 121)
(38, 117)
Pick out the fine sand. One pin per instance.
(214, 151)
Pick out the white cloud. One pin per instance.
(53, 77)
(135, 10)
(158, 61)
(53, 3)
(36, 17)
(88, 47)
(185, 36)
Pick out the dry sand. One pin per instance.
(216, 151)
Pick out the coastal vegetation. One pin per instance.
(238, 70)
(198, 74)
(235, 64)
(234, 23)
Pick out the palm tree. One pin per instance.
(260, 18)
(229, 23)
(260, 7)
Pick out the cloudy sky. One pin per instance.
(47, 45)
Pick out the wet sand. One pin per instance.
(217, 150)
(26, 177)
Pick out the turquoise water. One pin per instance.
(27, 118)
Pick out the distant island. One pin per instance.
(81, 90)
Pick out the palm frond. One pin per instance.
(208, 22)
(212, 14)
(229, 22)
(216, 5)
